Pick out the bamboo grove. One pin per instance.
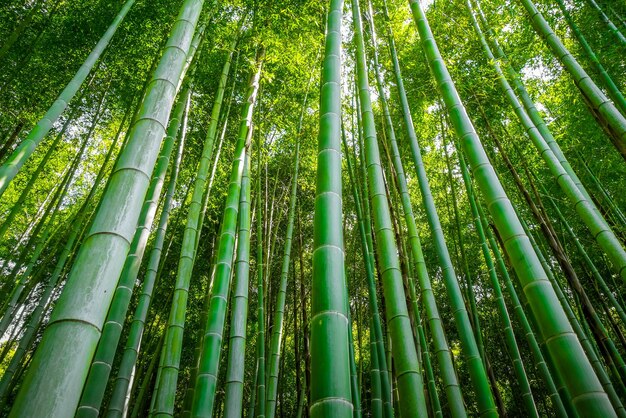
(359, 208)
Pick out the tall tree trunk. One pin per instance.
(607, 114)
(583, 204)
(330, 358)
(96, 383)
(410, 384)
(518, 366)
(607, 21)
(277, 329)
(165, 388)
(305, 323)
(260, 389)
(377, 343)
(71, 337)
(206, 381)
(444, 357)
(555, 328)
(77, 230)
(234, 384)
(613, 90)
(118, 403)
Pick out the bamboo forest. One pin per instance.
(313, 208)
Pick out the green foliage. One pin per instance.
(44, 42)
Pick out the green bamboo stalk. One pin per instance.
(354, 384)
(469, 286)
(585, 208)
(443, 354)
(300, 409)
(540, 362)
(510, 340)
(612, 89)
(143, 389)
(24, 278)
(590, 264)
(410, 384)
(208, 365)
(607, 113)
(392, 198)
(18, 206)
(561, 342)
(20, 299)
(193, 373)
(12, 338)
(330, 358)
(41, 235)
(470, 348)
(297, 332)
(369, 247)
(469, 292)
(74, 236)
(610, 352)
(32, 234)
(365, 188)
(253, 391)
(158, 376)
(608, 22)
(617, 212)
(376, 401)
(189, 395)
(616, 15)
(188, 401)
(564, 263)
(118, 402)
(414, 241)
(379, 389)
(528, 103)
(196, 42)
(165, 388)
(584, 301)
(554, 383)
(218, 153)
(421, 341)
(272, 234)
(215, 161)
(9, 169)
(587, 344)
(259, 388)
(277, 329)
(54, 381)
(234, 385)
(435, 403)
(96, 383)
(587, 330)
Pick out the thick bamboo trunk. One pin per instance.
(587, 394)
(72, 335)
(330, 359)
